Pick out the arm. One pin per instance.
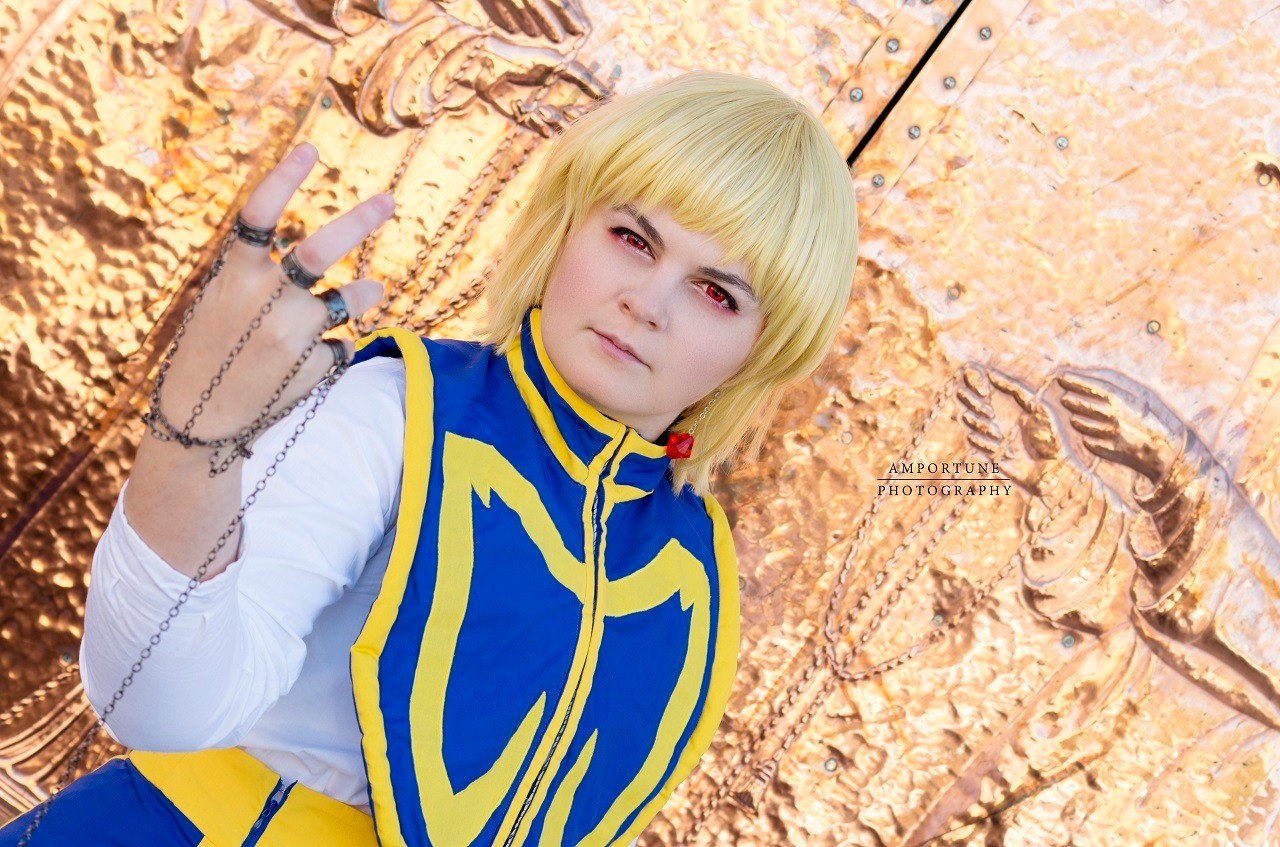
(237, 644)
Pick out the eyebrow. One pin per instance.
(718, 275)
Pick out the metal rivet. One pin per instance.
(1068, 641)
(892, 45)
(953, 292)
(985, 32)
(1062, 142)
(830, 765)
(937, 620)
(877, 180)
(914, 132)
(1264, 179)
(949, 82)
(326, 102)
(1153, 327)
(846, 437)
(855, 95)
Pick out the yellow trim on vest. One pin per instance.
(223, 792)
(419, 408)
(472, 467)
(542, 416)
(573, 697)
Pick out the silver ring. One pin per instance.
(339, 351)
(337, 307)
(297, 274)
(255, 236)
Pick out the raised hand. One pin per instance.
(220, 382)
(1006, 420)
(248, 352)
(1121, 420)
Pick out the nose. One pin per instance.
(647, 300)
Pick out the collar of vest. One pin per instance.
(581, 436)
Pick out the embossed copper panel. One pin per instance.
(1062, 185)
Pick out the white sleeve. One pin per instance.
(236, 645)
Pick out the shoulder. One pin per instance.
(376, 386)
(420, 355)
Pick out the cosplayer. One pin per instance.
(486, 597)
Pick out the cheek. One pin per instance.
(575, 277)
(717, 360)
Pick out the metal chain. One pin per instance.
(161, 428)
(158, 423)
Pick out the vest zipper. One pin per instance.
(596, 531)
(273, 804)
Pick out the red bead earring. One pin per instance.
(680, 444)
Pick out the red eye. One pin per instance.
(629, 238)
(720, 297)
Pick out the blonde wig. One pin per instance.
(736, 159)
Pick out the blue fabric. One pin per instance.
(114, 806)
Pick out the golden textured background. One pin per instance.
(1062, 183)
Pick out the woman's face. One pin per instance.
(642, 319)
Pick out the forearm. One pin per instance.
(190, 693)
(179, 510)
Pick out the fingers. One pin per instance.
(1093, 386)
(1105, 449)
(268, 200)
(976, 381)
(341, 235)
(981, 425)
(973, 401)
(984, 443)
(1097, 429)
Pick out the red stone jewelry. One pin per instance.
(680, 444)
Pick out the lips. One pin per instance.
(619, 345)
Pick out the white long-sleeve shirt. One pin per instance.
(258, 657)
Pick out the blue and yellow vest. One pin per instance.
(554, 641)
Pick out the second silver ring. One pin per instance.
(337, 307)
(296, 273)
